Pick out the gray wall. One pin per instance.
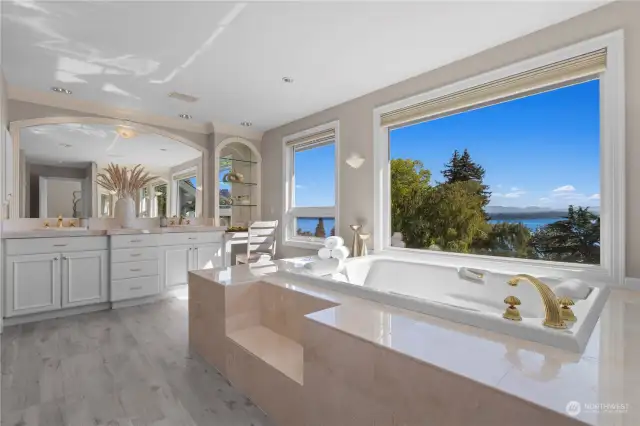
(356, 118)
(38, 170)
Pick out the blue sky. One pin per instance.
(541, 150)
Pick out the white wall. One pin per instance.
(59, 194)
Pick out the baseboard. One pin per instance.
(632, 283)
(8, 322)
(139, 301)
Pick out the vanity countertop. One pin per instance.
(608, 372)
(75, 232)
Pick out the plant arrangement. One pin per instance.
(124, 182)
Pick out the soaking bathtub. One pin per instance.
(468, 296)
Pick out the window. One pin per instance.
(159, 207)
(517, 163)
(185, 193)
(311, 186)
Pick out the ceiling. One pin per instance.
(233, 56)
(75, 144)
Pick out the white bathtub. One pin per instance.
(457, 294)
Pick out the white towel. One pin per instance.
(573, 288)
(324, 253)
(333, 242)
(340, 253)
(324, 267)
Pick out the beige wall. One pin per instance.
(356, 118)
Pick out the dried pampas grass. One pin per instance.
(124, 182)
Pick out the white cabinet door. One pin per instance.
(84, 278)
(207, 256)
(32, 284)
(176, 261)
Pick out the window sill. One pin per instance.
(305, 244)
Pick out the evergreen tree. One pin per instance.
(461, 168)
(320, 232)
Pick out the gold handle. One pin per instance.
(512, 313)
(565, 311)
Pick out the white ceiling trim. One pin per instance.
(68, 102)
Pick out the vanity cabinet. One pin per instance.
(178, 260)
(52, 279)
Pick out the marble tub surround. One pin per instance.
(486, 376)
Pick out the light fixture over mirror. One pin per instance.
(126, 132)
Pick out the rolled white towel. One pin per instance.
(324, 267)
(324, 253)
(333, 242)
(574, 288)
(340, 253)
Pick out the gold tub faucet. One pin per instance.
(553, 317)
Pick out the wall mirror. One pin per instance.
(237, 194)
(56, 165)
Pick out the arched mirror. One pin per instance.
(237, 194)
(57, 165)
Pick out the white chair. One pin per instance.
(261, 243)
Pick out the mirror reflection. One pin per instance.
(59, 162)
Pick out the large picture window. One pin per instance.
(311, 186)
(523, 163)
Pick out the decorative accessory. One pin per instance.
(512, 312)
(233, 177)
(363, 244)
(396, 240)
(355, 246)
(163, 221)
(84, 222)
(125, 184)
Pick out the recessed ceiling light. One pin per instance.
(66, 145)
(61, 90)
(163, 149)
(185, 116)
(125, 132)
(246, 124)
(287, 79)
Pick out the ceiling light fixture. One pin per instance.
(287, 79)
(185, 116)
(246, 124)
(125, 132)
(163, 149)
(61, 90)
(66, 145)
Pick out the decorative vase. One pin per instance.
(125, 212)
(396, 240)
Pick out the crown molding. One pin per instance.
(95, 108)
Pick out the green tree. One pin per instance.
(409, 187)
(461, 168)
(320, 232)
(506, 239)
(574, 239)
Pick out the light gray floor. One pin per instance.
(127, 367)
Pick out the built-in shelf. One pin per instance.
(242, 183)
(227, 206)
(238, 160)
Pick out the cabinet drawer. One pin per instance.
(55, 245)
(190, 238)
(134, 287)
(132, 241)
(134, 269)
(134, 255)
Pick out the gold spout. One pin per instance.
(553, 318)
(60, 221)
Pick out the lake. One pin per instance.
(309, 224)
(531, 223)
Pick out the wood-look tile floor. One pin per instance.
(126, 367)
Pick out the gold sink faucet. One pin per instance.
(60, 221)
(553, 317)
(181, 220)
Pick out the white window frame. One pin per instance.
(174, 193)
(612, 171)
(289, 212)
(153, 198)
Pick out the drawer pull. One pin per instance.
(60, 245)
(136, 254)
(135, 270)
(136, 241)
(193, 238)
(139, 287)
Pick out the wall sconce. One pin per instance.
(355, 160)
